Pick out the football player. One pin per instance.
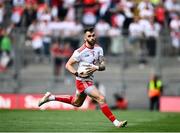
(92, 54)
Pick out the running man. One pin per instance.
(90, 53)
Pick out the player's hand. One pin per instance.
(83, 75)
(91, 69)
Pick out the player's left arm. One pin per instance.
(101, 66)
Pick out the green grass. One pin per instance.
(86, 121)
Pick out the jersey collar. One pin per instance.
(88, 46)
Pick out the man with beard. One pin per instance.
(91, 56)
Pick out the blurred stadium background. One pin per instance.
(139, 37)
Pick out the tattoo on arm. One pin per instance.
(101, 63)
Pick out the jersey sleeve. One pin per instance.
(76, 56)
(101, 53)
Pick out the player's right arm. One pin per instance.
(70, 65)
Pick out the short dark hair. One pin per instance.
(90, 29)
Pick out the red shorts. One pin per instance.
(82, 85)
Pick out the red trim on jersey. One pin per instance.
(85, 46)
(81, 48)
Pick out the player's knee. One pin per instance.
(77, 104)
(101, 99)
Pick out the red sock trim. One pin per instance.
(107, 112)
(64, 98)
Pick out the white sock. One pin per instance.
(116, 122)
(51, 98)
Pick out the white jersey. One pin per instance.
(87, 55)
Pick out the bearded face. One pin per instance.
(90, 38)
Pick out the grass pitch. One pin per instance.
(86, 121)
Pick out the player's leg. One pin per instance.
(44, 99)
(79, 99)
(76, 100)
(93, 92)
